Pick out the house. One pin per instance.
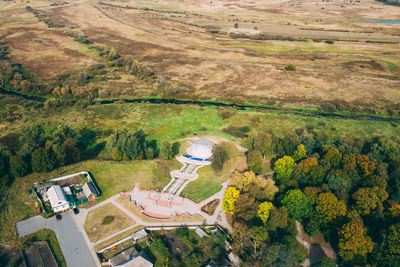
(131, 258)
(90, 191)
(139, 235)
(57, 198)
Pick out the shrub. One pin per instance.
(108, 219)
(290, 67)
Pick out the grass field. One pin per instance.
(50, 237)
(209, 182)
(95, 227)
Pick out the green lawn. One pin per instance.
(210, 182)
(50, 237)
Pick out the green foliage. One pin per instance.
(255, 161)
(290, 67)
(297, 204)
(312, 228)
(166, 150)
(388, 253)
(108, 219)
(283, 168)
(332, 156)
(43, 160)
(264, 210)
(18, 167)
(132, 144)
(117, 154)
(337, 179)
(324, 262)
(278, 217)
(242, 181)
(230, 197)
(159, 247)
(245, 208)
(219, 156)
(262, 188)
(261, 141)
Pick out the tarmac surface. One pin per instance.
(71, 240)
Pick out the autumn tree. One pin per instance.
(353, 241)
(349, 161)
(71, 152)
(255, 161)
(261, 141)
(300, 153)
(264, 211)
(337, 179)
(278, 217)
(365, 166)
(242, 180)
(297, 204)
(328, 208)
(283, 168)
(262, 188)
(367, 199)
(332, 155)
(230, 197)
(245, 207)
(218, 158)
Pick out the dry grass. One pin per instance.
(124, 201)
(97, 231)
(117, 238)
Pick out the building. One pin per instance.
(58, 199)
(90, 190)
(131, 258)
(201, 232)
(139, 235)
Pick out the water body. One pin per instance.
(385, 21)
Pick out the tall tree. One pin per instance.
(300, 153)
(388, 254)
(283, 168)
(329, 208)
(230, 197)
(353, 241)
(264, 210)
(297, 204)
(18, 167)
(255, 161)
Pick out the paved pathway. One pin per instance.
(71, 240)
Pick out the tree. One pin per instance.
(300, 153)
(71, 152)
(297, 204)
(324, 262)
(332, 155)
(365, 166)
(4, 161)
(388, 253)
(263, 188)
(283, 168)
(230, 149)
(166, 150)
(18, 167)
(264, 210)
(329, 208)
(230, 197)
(312, 228)
(349, 161)
(353, 241)
(218, 158)
(337, 179)
(262, 142)
(242, 180)
(258, 235)
(278, 217)
(367, 199)
(312, 193)
(117, 154)
(159, 246)
(245, 208)
(308, 172)
(43, 160)
(280, 255)
(255, 161)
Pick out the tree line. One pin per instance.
(348, 190)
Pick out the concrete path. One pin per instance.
(71, 240)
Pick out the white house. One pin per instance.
(57, 198)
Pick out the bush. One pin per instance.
(329, 41)
(290, 67)
(108, 219)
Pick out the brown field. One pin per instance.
(97, 231)
(361, 67)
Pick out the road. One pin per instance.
(71, 240)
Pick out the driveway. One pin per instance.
(71, 240)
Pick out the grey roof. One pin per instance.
(89, 189)
(121, 258)
(139, 234)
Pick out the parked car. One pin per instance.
(76, 211)
(58, 217)
(38, 210)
